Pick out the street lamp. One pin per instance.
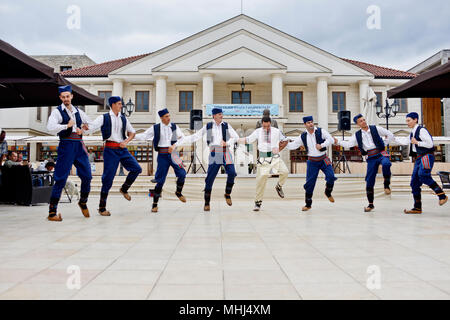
(390, 111)
(242, 85)
(127, 110)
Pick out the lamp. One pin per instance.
(127, 109)
(242, 84)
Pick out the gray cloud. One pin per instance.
(410, 31)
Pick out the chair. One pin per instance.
(445, 179)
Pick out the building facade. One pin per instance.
(207, 68)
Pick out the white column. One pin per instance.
(160, 99)
(322, 102)
(277, 91)
(117, 87)
(208, 89)
(363, 87)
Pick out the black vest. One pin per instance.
(225, 134)
(319, 139)
(375, 137)
(157, 135)
(65, 120)
(107, 126)
(419, 150)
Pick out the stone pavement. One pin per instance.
(332, 252)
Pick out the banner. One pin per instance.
(243, 109)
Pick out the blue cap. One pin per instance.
(216, 111)
(308, 118)
(114, 99)
(67, 88)
(355, 118)
(163, 112)
(413, 115)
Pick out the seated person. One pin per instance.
(12, 160)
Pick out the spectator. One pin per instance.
(12, 160)
(273, 122)
(3, 146)
(50, 166)
(20, 157)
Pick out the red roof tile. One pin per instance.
(102, 69)
(382, 72)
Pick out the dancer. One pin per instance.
(370, 143)
(315, 140)
(165, 136)
(422, 149)
(69, 123)
(269, 147)
(220, 136)
(115, 127)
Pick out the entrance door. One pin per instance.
(432, 115)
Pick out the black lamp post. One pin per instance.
(127, 110)
(390, 111)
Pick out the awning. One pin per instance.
(432, 84)
(26, 82)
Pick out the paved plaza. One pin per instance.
(335, 251)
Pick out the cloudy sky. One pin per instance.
(410, 30)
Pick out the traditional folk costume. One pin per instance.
(370, 143)
(114, 131)
(423, 152)
(71, 151)
(317, 161)
(268, 160)
(163, 137)
(219, 155)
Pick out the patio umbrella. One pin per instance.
(369, 112)
(26, 82)
(432, 84)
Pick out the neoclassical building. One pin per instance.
(280, 71)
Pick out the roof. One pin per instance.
(382, 72)
(102, 69)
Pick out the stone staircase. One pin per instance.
(244, 188)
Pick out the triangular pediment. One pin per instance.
(242, 58)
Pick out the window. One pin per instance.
(295, 101)
(39, 113)
(338, 101)
(379, 99)
(65, 68)
(142, 101)
(241, 97)
(185, 100)
(403, 105)
(105, 95)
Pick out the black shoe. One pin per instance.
(279, 190)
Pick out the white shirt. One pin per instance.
(367, 140)
(165, 135)
(116, 126)
(266, 140)
(424, 135)
(311, 141)
(216, 135)
(54, 121)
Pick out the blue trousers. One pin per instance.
(165, 161)
(312, 171)
(111, 159)
(216, 160)
(71, 152)
(422, 173)
(373, 163)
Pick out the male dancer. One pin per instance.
(115, 127)
(69, 123)
(422, 148)
(370, 143)
(269, 139)
(220, 136)
(165, 136)
(315, 140)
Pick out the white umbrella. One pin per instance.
(369, 110)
